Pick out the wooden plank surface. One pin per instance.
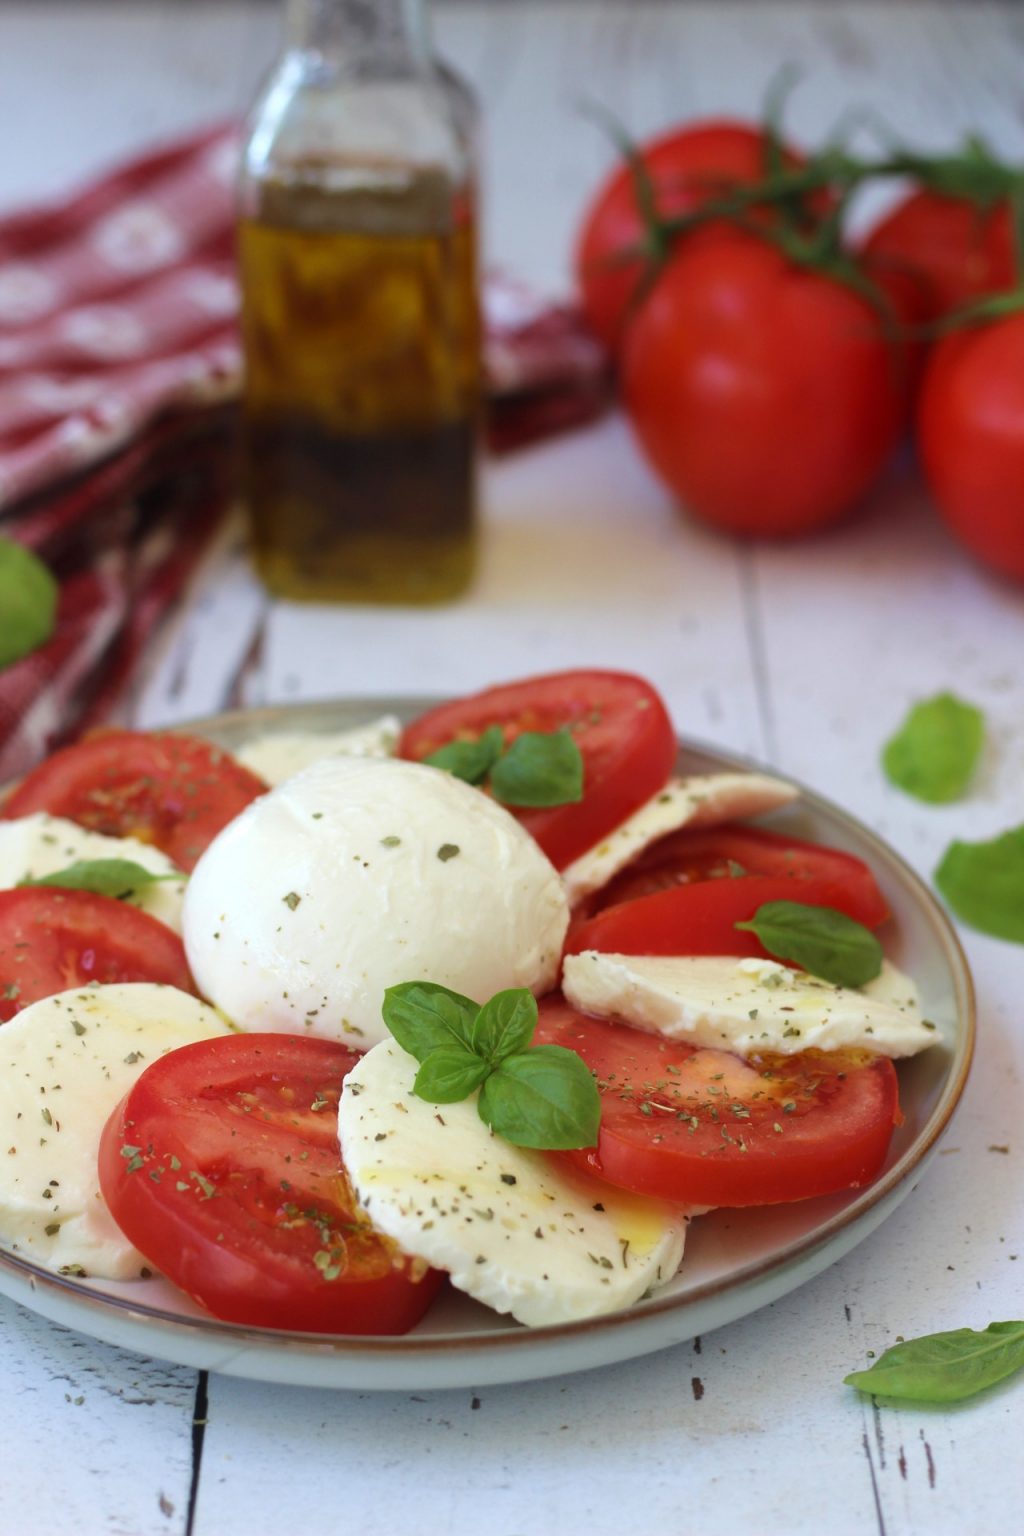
(805, 657)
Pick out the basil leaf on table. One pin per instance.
(28, 602)
(424, 1016)
(984, 884)
(105, 877)
(471, 761)
(935, 751)
(448, 1074)
(825, 942)
(945, 1367)
(540, 768)
(544, 1097)
(505, 1024)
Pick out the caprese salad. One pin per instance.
(497, 996)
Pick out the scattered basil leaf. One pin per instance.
(423, 1016)
(106, 877)
(945, 1367)
(544, 1097)
(470, 760)
(449, 1073)
(28, 602)
(935, 751)
(825, 942)
(984, 884)
(505, 1025)
(540, 768)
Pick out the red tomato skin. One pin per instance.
(971, 439)
(619, 722)
(959, 251)
(689, 166)
(52, 940)
(691, 856)
(836, 1136)
(230, 1120)
(766, 396)
(175, 792)
(698, 919)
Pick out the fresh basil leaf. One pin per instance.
(28, 602)
(945, 1367)
(470, 760)
(825, 942)
(449, 1073)
(423, 1016)
(540, 768)
(984, 884)
(543, 1097)
(505, 1025)
(935, 751)
(106, 877)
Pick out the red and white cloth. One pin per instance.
(119, 365)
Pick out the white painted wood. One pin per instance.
(805, 655)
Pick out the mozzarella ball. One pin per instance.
(359, 874)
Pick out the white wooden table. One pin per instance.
(805, 657)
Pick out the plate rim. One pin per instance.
(410, 1348)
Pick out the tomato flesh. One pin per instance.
(175, 792)
(53, 940)
(618, 721)
(703, 1127)
(222, 1166)
(691, 856)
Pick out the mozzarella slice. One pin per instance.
(280, 757)
(748, 1006)
(703, 800)
(37, 845)
(512, 1229)
(65, 1064)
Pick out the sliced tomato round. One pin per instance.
(52, 940)
(697, 919)
(175, 792)
(618, 721)
(703, 1127)
(688, 857)
(222, 1166)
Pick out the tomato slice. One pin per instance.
(176, 792)
(618, 721)
(697, 919)
(222, 1166)
(704, 1127)
(52, 940)
(689, 856)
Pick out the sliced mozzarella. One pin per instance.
(356, 875)
(65, 1064)
(703, 800)
(748, 1006)
(37, 845)
(278, 757)
(512, 1229)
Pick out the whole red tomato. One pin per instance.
(971, 439)
(766, 395)
(960, 251)
(687, 166)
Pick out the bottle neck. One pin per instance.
(380, 37)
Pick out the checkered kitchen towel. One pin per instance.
(119, 364)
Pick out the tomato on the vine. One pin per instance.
(971, 439)
(959, 249)
(767, 395)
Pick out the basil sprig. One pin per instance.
(935, 751)
(106, 877)
(534, 1096)
(945, 1367)
(28, 602)
(539, 768)
(984, 884)
(825, 942)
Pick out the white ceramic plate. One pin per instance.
(736, 1261)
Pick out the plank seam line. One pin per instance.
(753, 623)
(199, 1413)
